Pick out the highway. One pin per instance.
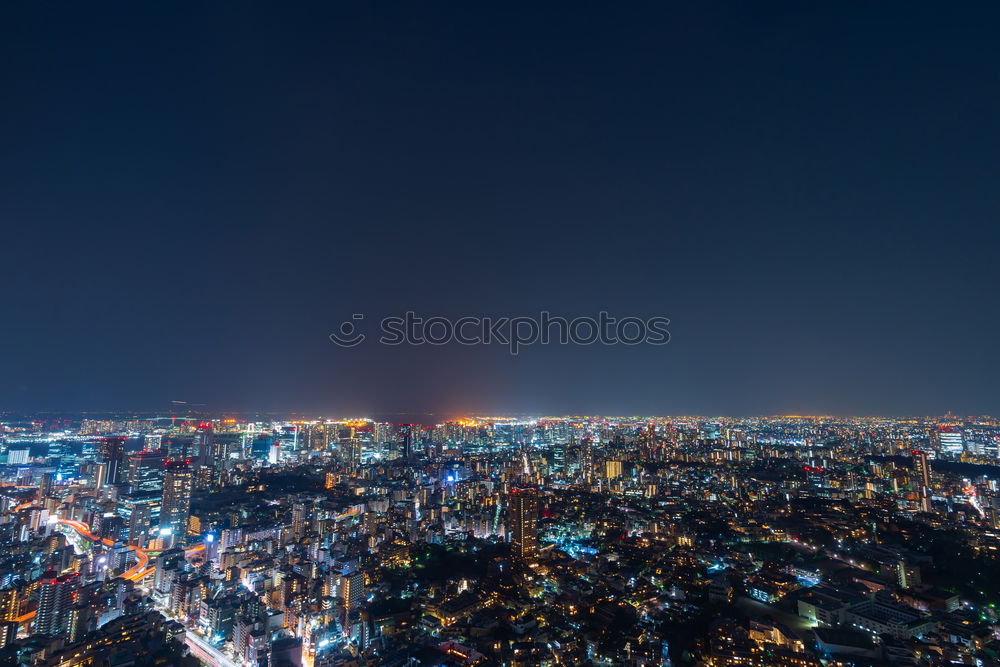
(84, 530)
(138, 571)
(206, 652)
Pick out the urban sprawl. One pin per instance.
(258, 541)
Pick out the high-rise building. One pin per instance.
(921, 468)
(113, 453)
(406, 441)
(17, 456)
(145, 471)
(205, 446)
(138, 523)
(950, 441)
(55, 597)
(352, 454)
(10, 603)
(45, 482)
(176, 506)
(352, 589)
(557, 459)
(523, 523)
(301, 520)
(586, 458)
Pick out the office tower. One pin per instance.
(111, 526)
(406, 440)
(211, 548)
(45, 482)
(315, 437)
(205, 448)
(557, 466)
(177, 483)
(352, 589)
(352, 454)
(586, 455)
(55, 597)
(612, 469)
(138, 524)
(950, 441)
(145, 471)
(288, 440)
(921, 468)
(523, 523)
(113, 453)
(385, 435)
(100, 475)
(16, 457)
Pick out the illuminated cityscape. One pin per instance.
(257, 541)
(499, 334)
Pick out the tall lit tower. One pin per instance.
(145, 471)
(523, 523)
(406, 440)
(55, 596)
(176, 506)
(352, 589)
(921, 468)
(113, 453)
(205, 445)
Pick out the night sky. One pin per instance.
(194, 195)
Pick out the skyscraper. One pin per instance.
(177, 482)
(138, 524)
(301, 520)
(352, 589)
(921, 468)
(950, 441)
(113, 453)
(406, 440)
(55, 597)
(145, 471)
(205, 445)
(523, 524)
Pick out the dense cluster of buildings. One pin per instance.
(258, 542)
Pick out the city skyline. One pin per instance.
(456, 334)
(653, 542)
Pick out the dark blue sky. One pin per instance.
(193, 195)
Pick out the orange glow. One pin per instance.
(138, 571)
(24, 618)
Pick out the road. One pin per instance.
(84, 530)
(206, 652)
(138, 571)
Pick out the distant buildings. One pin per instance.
(635, 541)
